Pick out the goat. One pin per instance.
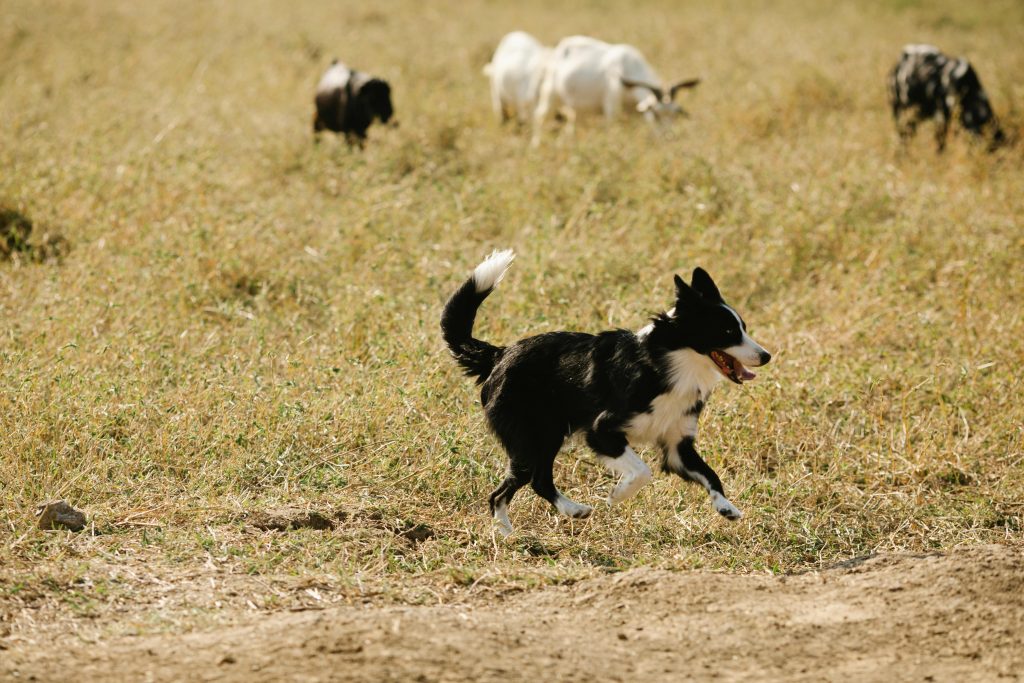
(516, 70)
(347, 101)
(927, 84)
(586, 74)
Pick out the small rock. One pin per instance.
(57, 514)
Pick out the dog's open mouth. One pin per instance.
(730, 367)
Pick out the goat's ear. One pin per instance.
(685, 294)
(705, 286)
(676, 87)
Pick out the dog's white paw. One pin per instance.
(628, 487)
(633, 473)
(724, 507)
(571, 508)
(501, 520)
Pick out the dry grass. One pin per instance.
(246, 321)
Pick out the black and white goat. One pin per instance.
(927, 84)
(347, 101)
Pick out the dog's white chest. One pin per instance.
(672, 416)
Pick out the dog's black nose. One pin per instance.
(765, 357)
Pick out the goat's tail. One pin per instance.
(476, 357)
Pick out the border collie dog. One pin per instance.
(618, 388)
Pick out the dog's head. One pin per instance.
(703, 322)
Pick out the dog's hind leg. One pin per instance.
(543, 481)
(685, 461)
(614, 453)
(500, 498)
(531, 451)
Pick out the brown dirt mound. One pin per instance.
(952, 617)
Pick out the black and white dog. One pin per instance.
(347, 101)
(926, 84)
(616, 387)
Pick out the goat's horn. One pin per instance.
(689, 83)
(658, 92)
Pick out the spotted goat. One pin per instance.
(927, 84)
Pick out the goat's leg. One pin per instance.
(540, 114)
(612, 103)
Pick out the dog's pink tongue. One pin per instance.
(743, 373)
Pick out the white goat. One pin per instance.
(588, 75)
(516, 70)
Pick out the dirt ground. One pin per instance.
(944, 617)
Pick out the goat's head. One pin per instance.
(377, 95)
(658, 105)
(976, 113)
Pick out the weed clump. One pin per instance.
(15, 230)
(15, 227)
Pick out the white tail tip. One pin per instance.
(489, 273)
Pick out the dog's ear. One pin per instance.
(705, 286)
(685, 294)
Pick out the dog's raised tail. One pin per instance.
(477, 357)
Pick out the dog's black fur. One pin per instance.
(540, 390)
(347, 102)
(927, 84)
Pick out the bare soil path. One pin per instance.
(956, 616)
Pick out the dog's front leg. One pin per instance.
(684, 460)
(613, 452)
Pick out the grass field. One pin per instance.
(245, 321)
